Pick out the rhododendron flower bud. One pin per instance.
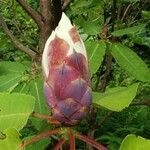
(65, 66)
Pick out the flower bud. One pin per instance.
(65, 67)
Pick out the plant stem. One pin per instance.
(49, 119)
(40, 136)
(71, 140)
(59, 144)
(90, 141)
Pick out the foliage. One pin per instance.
(116, 35)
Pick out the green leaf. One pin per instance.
(133, 142)
(11, 74)
(115, 99)
(15, 110)
(129, 30)
(11, 140)
(35, 88)
(91, 28)
(130, 62)
(9, 81)
(96, 52)
(11, 67)
(39, 145)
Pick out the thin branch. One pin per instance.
(34, 15)
(65, 4)
(59, 144)
(90, 141)
(40, 136)
(49, 119)
(146, 103)
(71, 140)
(106, 75)
(125, 12)
(19, 45)
(109, 113)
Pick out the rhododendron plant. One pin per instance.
(65, 66)
(66, 83)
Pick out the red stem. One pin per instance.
(90, 141)
(41, 136)
(71, 140)
(50, 119)
(59, 144)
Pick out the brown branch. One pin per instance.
(90, 141)
(65, 4)
(71, 140)
(105, 76)
(59, 144)
(31, 12)
(125, 12)
(19, 45)
(40, 136)
(109, 113)
(49, 119)
(146, 103)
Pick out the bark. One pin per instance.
(46, 19)
(31, 12)
(16, 42)
(51, 14)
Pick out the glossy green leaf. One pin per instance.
(15, 110)
(96, 52)
(9, 81)
(91, 28)
(39, 145)
(133, 142)
(115, 99)
(35, 88)
(129, 30)
(11, 140)
(11, 74)
(131, 62)
(11, 67)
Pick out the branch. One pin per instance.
(39, 137)
(59, 144)
(65, 4)
(71, 140)
(109, 113)
(19, 45)
(125, 12)
(49, 119)
(31, 12)
(90, 141)
(146, 103)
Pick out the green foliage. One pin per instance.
(135, 142)
(11, 140)
(12, 116)
(116, 99)
(130, 62)
(129, 30)
(96, 52)
(95, 21)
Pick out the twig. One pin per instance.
(34, 15)
(90, 141)
(40, 136)
(125, 12)
(146, 103)
(66, 4)
(49, 119)
(109, 113)
(59, 144)
(71, 140)
(19, 45)
(108, 62)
